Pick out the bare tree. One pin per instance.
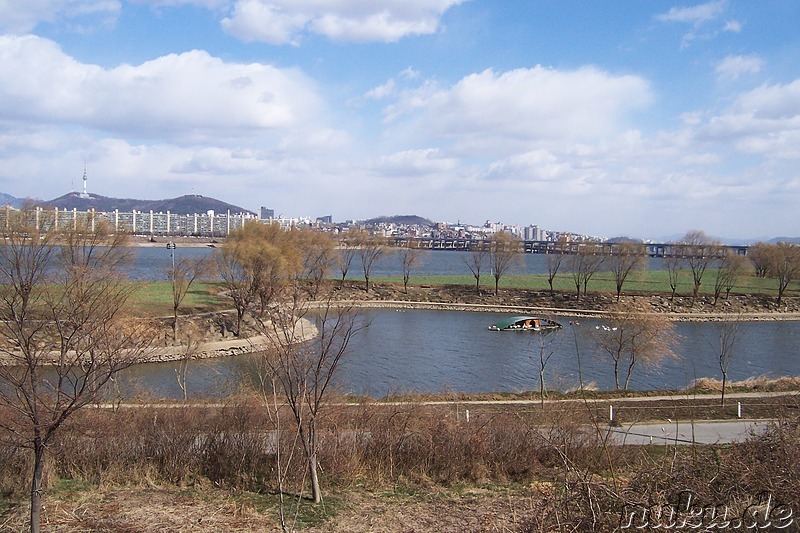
(629, 338)
(64, 331)
(545, 351)
(410, 257)
(182, 276)
(554, 261)
(304, 368)
(674, 264)
(344, 258)
(700, 252)
(728, 333)
(505, 252)
(628, 256)
(476, 260)
(192, 340)
(584, 265)
(759, 256)
(255, 263)
(370, 248)
(730, 267)
(316, 253)
(784, 265)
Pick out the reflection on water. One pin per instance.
(440, 351)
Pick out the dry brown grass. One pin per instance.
(387, 468)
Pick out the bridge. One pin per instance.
(550, 247)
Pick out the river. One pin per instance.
(441, 351)
(151, 263)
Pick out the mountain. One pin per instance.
(400, 220)
(188, 204)
(13, 201)
(795, 240)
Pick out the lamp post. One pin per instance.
(171, 248)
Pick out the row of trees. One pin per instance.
(695, 253)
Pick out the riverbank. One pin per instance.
(743, 307)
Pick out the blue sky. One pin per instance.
(627, 118)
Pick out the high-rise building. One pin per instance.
(267, 214)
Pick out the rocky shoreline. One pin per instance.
(751, 307)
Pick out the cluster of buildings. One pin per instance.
(209, 224)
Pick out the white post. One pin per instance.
(610, 413)
(739, 410)
(466, 413)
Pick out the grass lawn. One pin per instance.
(641, 281)
(154, 298)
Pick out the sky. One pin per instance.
(644, 119)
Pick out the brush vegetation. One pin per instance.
(556, 469)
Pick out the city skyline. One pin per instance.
(644, 119)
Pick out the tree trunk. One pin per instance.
(316, 493)
(366, 280)
(630, 371)
(496, 285)
(724, 380)
(308, 436)
(478, 284)
(542, 388)
(36, 485)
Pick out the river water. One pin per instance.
(441, 351)
(151, 263)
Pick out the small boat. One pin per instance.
(525, 323)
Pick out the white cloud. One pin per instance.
(696, 15)
(488, 110)
(733, 26)
(699, 16)
(733, 67)
(188, 95)
(22, 16)
(209, 4)
(414, 163)
(764, 122)
(381, 91)
(285, 21)
(390, 88)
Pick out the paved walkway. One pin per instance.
(686, 432)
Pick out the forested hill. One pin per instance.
(188, 204)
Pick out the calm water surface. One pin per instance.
(440, 351)
(151, 263)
